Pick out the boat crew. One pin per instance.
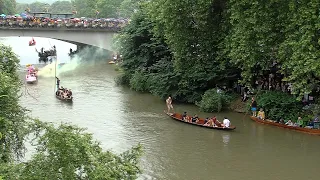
(169, 104)
(226, 122)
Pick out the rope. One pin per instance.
(27, 92)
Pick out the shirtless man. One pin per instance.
(169, 104)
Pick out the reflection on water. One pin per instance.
(225, 139)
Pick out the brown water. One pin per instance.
(121, 118)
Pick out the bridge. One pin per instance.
(101, 38)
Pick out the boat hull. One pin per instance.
(178, 117)
(299, 129)
(31, 79)
(32, 82)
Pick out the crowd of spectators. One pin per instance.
(27, 21)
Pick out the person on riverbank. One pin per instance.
(169, 104)
(254, 106)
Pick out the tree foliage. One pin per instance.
(84, 8)
(12, 115)
(106, 8)
(148, 62)
(279, 105)
(68, 152)
(271, 44)
(214, 100)
(7, 6)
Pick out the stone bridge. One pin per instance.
(101, 38)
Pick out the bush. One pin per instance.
(122, 79)
(139, 81)
(279, 105)
(214, 101)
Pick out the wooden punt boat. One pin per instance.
(178, 117)
(65, 99)
(274, 123)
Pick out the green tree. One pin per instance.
(128, 7)
(38, 7)
(61, 7)
(12, 115)
(255, 36)
(8, 7)
(108, 8)
(21, 7)
(194, 32)
(85, 8)
(300, 52)
(67, 152)
(147, 61)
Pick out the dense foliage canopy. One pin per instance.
(12, 115)
(270, 45)
(67, 152)
(7, 6)
(82, 8)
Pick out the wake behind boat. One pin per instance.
(207, 123)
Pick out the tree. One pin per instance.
(12, 116)
(61, 7)
(147, 60)
(22, 7)
(255, 36)
(85, 8)
(38, 7)
(128, 7)
(67, 152)
(109, 8)
(194, 32)
(300, 52)
(7, 7)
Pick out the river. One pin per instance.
(121, 118)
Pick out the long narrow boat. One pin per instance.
(274, 123)
(178, 117)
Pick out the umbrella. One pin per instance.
(17, 15)
(2, 15)
(23, 14)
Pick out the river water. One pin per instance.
(120, 118)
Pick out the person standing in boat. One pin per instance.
(254, 106)
(58, 83)
(169, 104)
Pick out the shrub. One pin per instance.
(138, 81)
(214, 101)
(279, 105)
(122, 79)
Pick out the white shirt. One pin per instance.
(226, 122)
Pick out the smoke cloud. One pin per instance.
(83, 58)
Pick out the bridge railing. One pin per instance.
(63, 24)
